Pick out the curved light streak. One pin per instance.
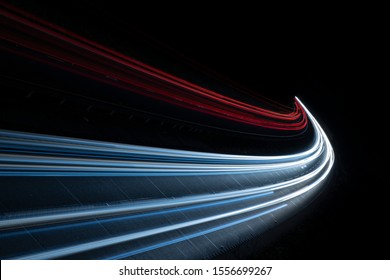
(110, 159)
(308, 170)
(63, 49)
(274, 186)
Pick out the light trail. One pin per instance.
(306, 171)
(78, 198)
(57, 253)
(63, 49)
(110, 159)
(136, 216)
(128, 237)
(194, 235)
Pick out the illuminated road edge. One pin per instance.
(189, 225)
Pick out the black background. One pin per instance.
(327, 57)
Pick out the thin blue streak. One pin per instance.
(190, 236)
(127, 174)
(137, 216)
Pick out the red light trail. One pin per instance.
(61, 48)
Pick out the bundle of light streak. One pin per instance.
(117, 200)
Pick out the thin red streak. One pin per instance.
(138, 77)
(131, 60)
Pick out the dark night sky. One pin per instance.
(325, 60)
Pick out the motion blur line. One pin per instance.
(61, 252)
(134, 160)
(42, 217)
(194, 235)
(137, 216)
(82, 213)
(297, 186)
(89, 59)
(259, 187)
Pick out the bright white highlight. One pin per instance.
(303, 171)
